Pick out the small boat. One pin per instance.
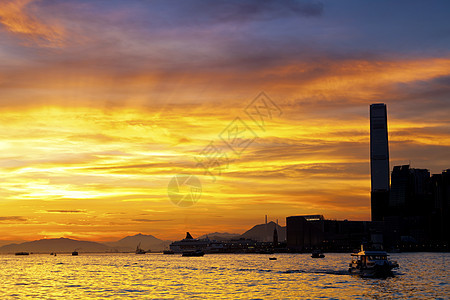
(22, 253)
(272, 258)
(193, 253)
(74, 253)
(372, 263)
(317, 254)
(168, 252)
(139, 250)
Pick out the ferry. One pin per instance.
(372, 263)
(191, 244)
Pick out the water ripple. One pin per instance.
(422, 276)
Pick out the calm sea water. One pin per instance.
(231, 276)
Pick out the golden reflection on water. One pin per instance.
(98, 276)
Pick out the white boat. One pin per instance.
(372, 263)
(190, 244)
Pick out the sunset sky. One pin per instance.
(103, 102)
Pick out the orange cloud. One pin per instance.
(16, 18)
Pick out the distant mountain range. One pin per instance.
(261, 232)
(55, 245)
(3, 242)
(64, 245)
(147, 242)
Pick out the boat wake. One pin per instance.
(328, 272)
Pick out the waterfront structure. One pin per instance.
(305, 233)
(191, 244)
(206, 245)
(379, 160)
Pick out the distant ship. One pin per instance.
(75, 253)
(139, 250)
(193, 253)
(168, 252)
(22, 253)
(189, 244)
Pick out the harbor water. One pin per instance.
(228, 276)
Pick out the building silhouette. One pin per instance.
(418, 210)
(379, 160)
(440, 206)
(275, 237)
(410, 208)
(410, 192)
(306, 233)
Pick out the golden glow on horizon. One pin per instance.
(90, 173)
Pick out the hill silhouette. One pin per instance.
(262, 233)
(220, 236)
(257, 233)
(148, 242)
(55, 245)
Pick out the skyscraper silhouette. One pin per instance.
(379, 161)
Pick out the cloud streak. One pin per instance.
(65, 211)
(12, 219)
(242, 11)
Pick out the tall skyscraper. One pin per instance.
(379, 161)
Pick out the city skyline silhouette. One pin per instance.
(102, 105)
